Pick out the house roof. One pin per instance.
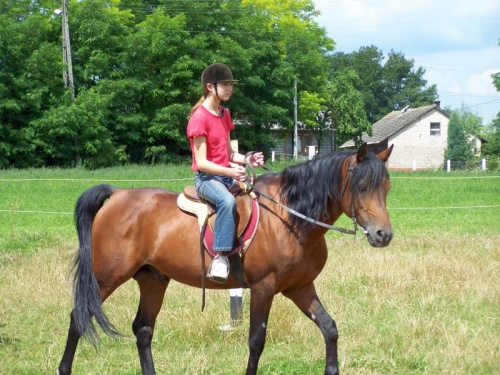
(394, 122)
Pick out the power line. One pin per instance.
(253, 10)
(327, 4)
(478, 104)
(415, 22)
(472, 95)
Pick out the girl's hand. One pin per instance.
(238, 173)
(256, 159)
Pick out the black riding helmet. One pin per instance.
(215, 73)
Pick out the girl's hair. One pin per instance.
(200, 102)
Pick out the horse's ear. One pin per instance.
(361, 153)
(384, 155)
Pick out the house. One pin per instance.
(284, 141)
(419, 136)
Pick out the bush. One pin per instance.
(493, 164)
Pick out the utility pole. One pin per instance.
(66, 46)
(295, 131)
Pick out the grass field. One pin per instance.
(427, 304)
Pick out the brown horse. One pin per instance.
(142, 234)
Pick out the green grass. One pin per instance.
(427, 304)
(52, 193)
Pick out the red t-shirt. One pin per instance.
(216, 131)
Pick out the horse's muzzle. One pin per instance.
(379, 237)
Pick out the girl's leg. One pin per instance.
(215, 190)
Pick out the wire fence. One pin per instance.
(20, 180)
(490, 163)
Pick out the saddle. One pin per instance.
(246, 220)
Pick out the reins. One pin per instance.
(252, 187)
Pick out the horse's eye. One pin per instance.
(363, 188)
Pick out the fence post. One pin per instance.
(236, 304)
(273, 156)
(483, 164)
(448, 165)
(312, 152)
(236, 295)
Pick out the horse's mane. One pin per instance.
(310, 186)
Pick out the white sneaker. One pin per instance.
(219, 269)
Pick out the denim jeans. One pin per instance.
(214, 189)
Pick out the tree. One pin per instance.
(387, 86)
(30, 72)
(338, 107)
(459, 145)
(403, 85)
(314, 114)
(76, 132)
(346, 105)
(136, 68)
(492, 135)
(286, 44)
(492, 148)
(496, 78)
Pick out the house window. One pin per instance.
(435, 128)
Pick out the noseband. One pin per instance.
(344, 187)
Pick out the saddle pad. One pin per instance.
(245, 238)
(201, 210)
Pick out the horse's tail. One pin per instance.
(86, 292)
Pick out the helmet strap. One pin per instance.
(221, 111)
(216, 92)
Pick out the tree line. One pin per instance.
(137, 67)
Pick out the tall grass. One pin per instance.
(427, 304)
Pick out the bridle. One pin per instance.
(252, 187)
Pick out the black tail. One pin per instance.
(87, 297)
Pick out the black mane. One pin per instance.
(309, 187)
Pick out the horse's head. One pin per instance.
(369, 184)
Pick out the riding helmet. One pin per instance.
(217, 72)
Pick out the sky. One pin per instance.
(455, 41)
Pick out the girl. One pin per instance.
(208, 132)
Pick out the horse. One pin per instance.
(142, 234)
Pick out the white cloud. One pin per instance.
(455, 41)
(481, 83)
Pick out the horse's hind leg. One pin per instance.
(69, 351)
(152, 286)
(74, 337)
(307, 301)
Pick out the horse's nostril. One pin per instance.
(384, 235)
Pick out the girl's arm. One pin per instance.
(256, 159)
(205, 165)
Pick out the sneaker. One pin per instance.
(219, 269)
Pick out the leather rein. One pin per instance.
(252, 187)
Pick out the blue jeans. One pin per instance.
(214, 189)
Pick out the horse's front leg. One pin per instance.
(308, 302)
(261, 300)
